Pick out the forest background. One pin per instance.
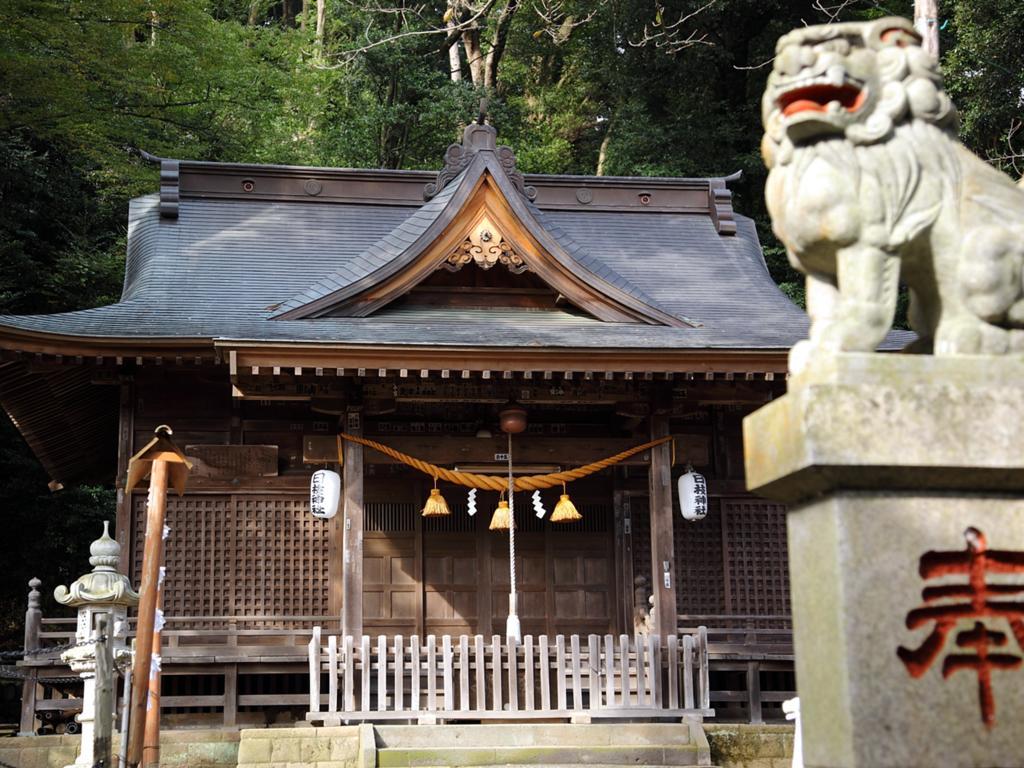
(608, 87)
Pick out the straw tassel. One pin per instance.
(565, 511)
(500, 519)
(436, 506)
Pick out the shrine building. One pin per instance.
(266, 309)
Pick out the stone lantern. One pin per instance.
(103, 592)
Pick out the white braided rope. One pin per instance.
(513, 608)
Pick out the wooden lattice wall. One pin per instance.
(240, 555)
(754, 533)
(733, 561)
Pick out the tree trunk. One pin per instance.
(498, 41)
(254, 12)
(321, 21)
(602, 153)
(454, 61)
(304, 14)
(474, 55)
(926, 20)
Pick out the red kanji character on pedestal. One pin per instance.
(976, 561)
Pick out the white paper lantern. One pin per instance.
(324, 493)
(693, 496)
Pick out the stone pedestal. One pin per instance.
(885, 459)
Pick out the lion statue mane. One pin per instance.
(869, 185)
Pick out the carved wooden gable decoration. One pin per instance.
(479, 216)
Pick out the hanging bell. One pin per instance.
(436, 506)
(500, 519)
(565, 511)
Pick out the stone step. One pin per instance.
(533, 734)
(651, 756)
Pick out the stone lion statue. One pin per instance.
(868, 186)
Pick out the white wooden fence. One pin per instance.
(469, 678)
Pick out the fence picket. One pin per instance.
(654, 671)
(528, 672)
(577, 693)
(446, 661)
(545, 673)
(365, 674)
(350, 674)
(513, 675)
(688, 671)
(399, 674)
(464, 673)
(609, 671)
(332, 681)
(673, 672)
(624, 671)
(382, 673)
(496, 671)
(431, 673)
(480, 663)
(560, 671)
(415, 670)
(594, 671)
(641, 677)
(314, 671)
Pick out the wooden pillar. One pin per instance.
(663, 557)
(623, 553)
(352, 555)
(125, 448)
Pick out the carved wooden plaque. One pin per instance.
(230, 461)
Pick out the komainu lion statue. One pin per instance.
(870, 186)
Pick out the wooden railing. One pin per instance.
(470, 678)
(742, 650)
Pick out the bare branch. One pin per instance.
(670, 37)
(1014, 158)
(451, 32)
(556, 23)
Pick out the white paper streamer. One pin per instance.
(471, 502)
(163, 575)
(166, 532)
(158, 620)
(538, 505)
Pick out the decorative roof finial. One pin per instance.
(476, 138)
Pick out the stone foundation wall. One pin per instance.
(191, 748)
(351, 746)
(750, 746)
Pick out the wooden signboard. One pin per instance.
(231, 461)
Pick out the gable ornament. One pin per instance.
(485, 247)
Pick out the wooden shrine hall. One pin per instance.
(266, 309)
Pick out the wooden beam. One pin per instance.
(352, 558)
(663, 565)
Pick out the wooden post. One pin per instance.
(155, 515)
(103, 724)
(33, 617)
(662, 545)
(151, 731)
(165, 463)
(352, 558)
(125, 440)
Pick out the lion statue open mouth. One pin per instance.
(869, 186)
